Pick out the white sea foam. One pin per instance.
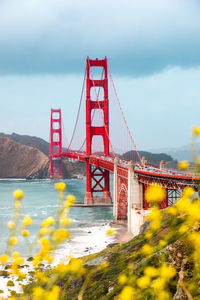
(13, 179)
(90, 240)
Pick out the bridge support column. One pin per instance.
(135, 194)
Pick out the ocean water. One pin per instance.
(88, 230)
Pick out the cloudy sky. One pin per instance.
(153, 50)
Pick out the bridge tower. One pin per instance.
(55, 143)
(97, 178)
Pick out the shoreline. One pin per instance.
(121, 235)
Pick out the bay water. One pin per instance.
(88, 230)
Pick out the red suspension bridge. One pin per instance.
(105, 135)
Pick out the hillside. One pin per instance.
(172, 258)
(27, 140)
(21, 161)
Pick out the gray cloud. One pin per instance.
(138, 37)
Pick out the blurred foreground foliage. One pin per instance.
(161, 263)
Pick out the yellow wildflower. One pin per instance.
(27, 221)
(18, 194)
(127, 293)
(61, 235)
(38, 274)
(43, 231)
(48, 222)
(18, 261)
(60, 186)
(172, 210)
(147, 249)
(70, 200)
(167, 272)
(162, 243)
(195, 239)
(196, 130)
(76, 266)
(155, 193)
(104, 265)
(13, 240)
(151, 272)
(183, 205)
(148, 235)
(143, 282)
(163, 295)
(194, 211)
(122, 279)
(25, 233)
(183, 229)
(155, 224)
(155, 217)
(65, 221)
(36, 259)
(11, 225)
(16, 254)
(62, 269)
(4, 258)
(188, 192)
(110, 231)
(45, 243)
(38, 293)
(158, 284)
(182, 165)
(54, 293)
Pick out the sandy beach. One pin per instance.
(121, 234)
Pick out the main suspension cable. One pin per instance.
(124, 116)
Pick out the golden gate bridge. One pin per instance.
(131, 177)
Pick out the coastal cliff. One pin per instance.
(22, 161)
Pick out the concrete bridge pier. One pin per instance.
(115, 190)
(132, 207)
(136, 214)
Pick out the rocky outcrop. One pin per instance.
(20, 161)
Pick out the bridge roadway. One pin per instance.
(146, 173)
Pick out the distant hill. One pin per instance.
(27, 140)
(152, 158)
(180, 153)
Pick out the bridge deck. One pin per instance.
(107, 163)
